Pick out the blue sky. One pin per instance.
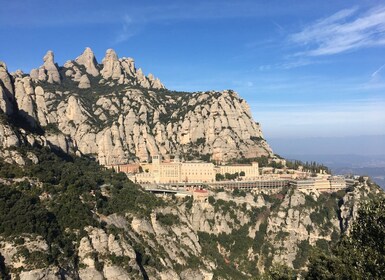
(307, 68)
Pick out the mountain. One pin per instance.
(65, 216)
(112, 111)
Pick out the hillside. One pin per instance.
(115, 113)
(65, 216)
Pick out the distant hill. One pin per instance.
(366, 145)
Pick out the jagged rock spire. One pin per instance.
(50, 67)
(48, 71)
(6, 90)
(5, 77)
(154, 82)
(87, 59)
(111, 65)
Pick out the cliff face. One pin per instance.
(117, 114)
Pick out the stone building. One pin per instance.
(251, 171)
(130, 168)
(190, 172)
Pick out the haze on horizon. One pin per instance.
(307, 69)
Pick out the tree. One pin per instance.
(279, 272)
(219, 177)
(361, 255)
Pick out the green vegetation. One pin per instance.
(238, 192)
(263, 161)
(62, 194)
(312, 166)
(361, 255)
(60, 198)
(219, 177)
(254, 138)
(167, 219)
(233, 176)
(23, 213)
(260, 237)
(324, 209)
(228, 176)
(51, 128)
(227, 266)
(279, 272)
(304, 250)
(10, 170)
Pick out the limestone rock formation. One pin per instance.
(50, 67)
(25, 98)
(5, 102)
(6, 90)
(5, 77)
(88, 60)
(8, 137)
(127, 116)
(48, 71)
(111, 66)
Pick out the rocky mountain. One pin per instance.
(68, 218)
(63, 216)
(112, 111)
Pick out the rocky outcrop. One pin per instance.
(8, 137)
(6, 105)
(26, 99)
(5, 78)
(88, 60)
(48, 71)
(6, 90)
(50, 67)
(43, 273)
(125, 116)
(111, 66)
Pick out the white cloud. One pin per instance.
(287, 65)
(376, 73)
(127, 31)
(346, 30)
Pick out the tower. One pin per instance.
(157, 159)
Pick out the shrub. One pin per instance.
(167, 219)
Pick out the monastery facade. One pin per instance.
(190, 172)
(176, 171)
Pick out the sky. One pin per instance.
(307, 68)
